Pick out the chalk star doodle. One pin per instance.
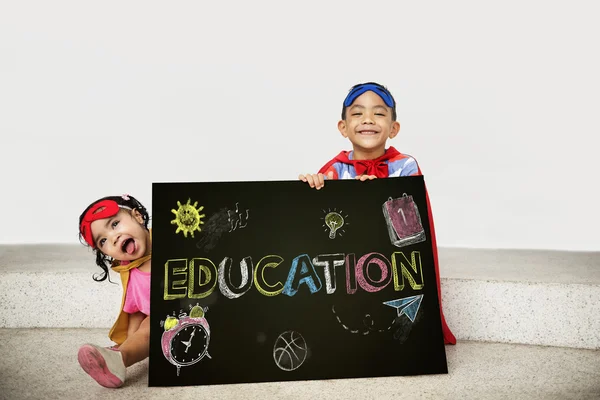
(333, 221)
(188, 218)
(408, 306)
(237, 219)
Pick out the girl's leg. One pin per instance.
(137, 345)
(108, 366)
(104, 365)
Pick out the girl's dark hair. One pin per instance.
(102, 260)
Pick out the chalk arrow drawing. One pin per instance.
(408, 306)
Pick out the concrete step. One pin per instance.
(42, 364)
(509, 296)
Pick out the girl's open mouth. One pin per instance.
(128, 246)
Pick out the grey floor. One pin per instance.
(42, 364)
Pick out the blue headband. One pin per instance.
(360, 89)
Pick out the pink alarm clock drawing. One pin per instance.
(185, 339)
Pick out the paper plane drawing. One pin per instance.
(408, 306)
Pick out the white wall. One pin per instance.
(499, 102)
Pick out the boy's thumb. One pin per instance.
(330, 175)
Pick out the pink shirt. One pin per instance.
(138, 292)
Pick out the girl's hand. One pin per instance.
(363, 178)
(315, 180)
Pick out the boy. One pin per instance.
(368, 121)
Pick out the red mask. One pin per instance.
(111, 208)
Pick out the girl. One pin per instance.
(116, 228)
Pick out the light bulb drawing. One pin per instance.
(333, 222)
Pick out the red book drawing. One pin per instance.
(403, 221)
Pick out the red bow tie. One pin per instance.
(376, 167)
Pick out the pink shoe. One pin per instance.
(104, 365)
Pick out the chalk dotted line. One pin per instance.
(369, 325)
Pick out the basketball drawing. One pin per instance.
(290, 350)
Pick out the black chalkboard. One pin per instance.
(275, 281)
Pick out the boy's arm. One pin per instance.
(413, 169)
(404, 165)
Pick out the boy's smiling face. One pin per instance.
(368, 125)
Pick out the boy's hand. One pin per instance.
(363, 178)
(315, 180)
